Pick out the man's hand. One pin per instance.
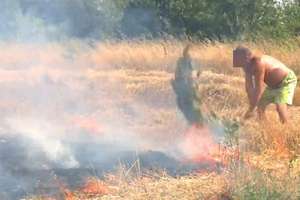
(249, 114)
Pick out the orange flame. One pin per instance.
(69, 195)
(199, 146)
(95, 187)
(88, 123)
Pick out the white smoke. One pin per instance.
(45, 135)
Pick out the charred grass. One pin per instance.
(268, 166)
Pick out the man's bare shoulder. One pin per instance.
(257, 64)
(254, 65)
(256, 60)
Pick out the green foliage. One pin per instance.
(254, 192)
(233, 19)
(8, 9)
(227, 129)
(200, 19)
(231, 130)
(259, 186)
(141, 19)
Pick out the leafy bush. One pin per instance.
(200, 19)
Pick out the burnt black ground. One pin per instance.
(24, 173)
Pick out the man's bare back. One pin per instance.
(275, 71)
(262, 71)
(272, 70)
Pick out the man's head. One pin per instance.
(186, 51)
(241, 56)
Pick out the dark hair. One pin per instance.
(242, 49)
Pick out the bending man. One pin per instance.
(267, 81)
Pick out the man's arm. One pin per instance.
(249, 86)
(259, 75)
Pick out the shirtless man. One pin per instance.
(267, 81)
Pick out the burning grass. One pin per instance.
(125, 87)
(160, 187)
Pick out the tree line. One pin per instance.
(120, 19)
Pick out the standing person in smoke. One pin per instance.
(186, 89)
(267, 81)
(197, 143)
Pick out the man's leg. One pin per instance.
(261, 111)
(266, 99)
(282, 112)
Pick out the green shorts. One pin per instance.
(284, 94)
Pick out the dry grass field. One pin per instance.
(125, 87)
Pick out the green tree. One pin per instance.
(141, 19)
(217, 19)
(8, 11)
(292, 18)
(103, 19)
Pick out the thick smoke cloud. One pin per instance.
(146, 24)
(55, 116)
(59, 20)
(58, 117)
(30, 20)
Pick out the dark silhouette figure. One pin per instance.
(186, 89)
